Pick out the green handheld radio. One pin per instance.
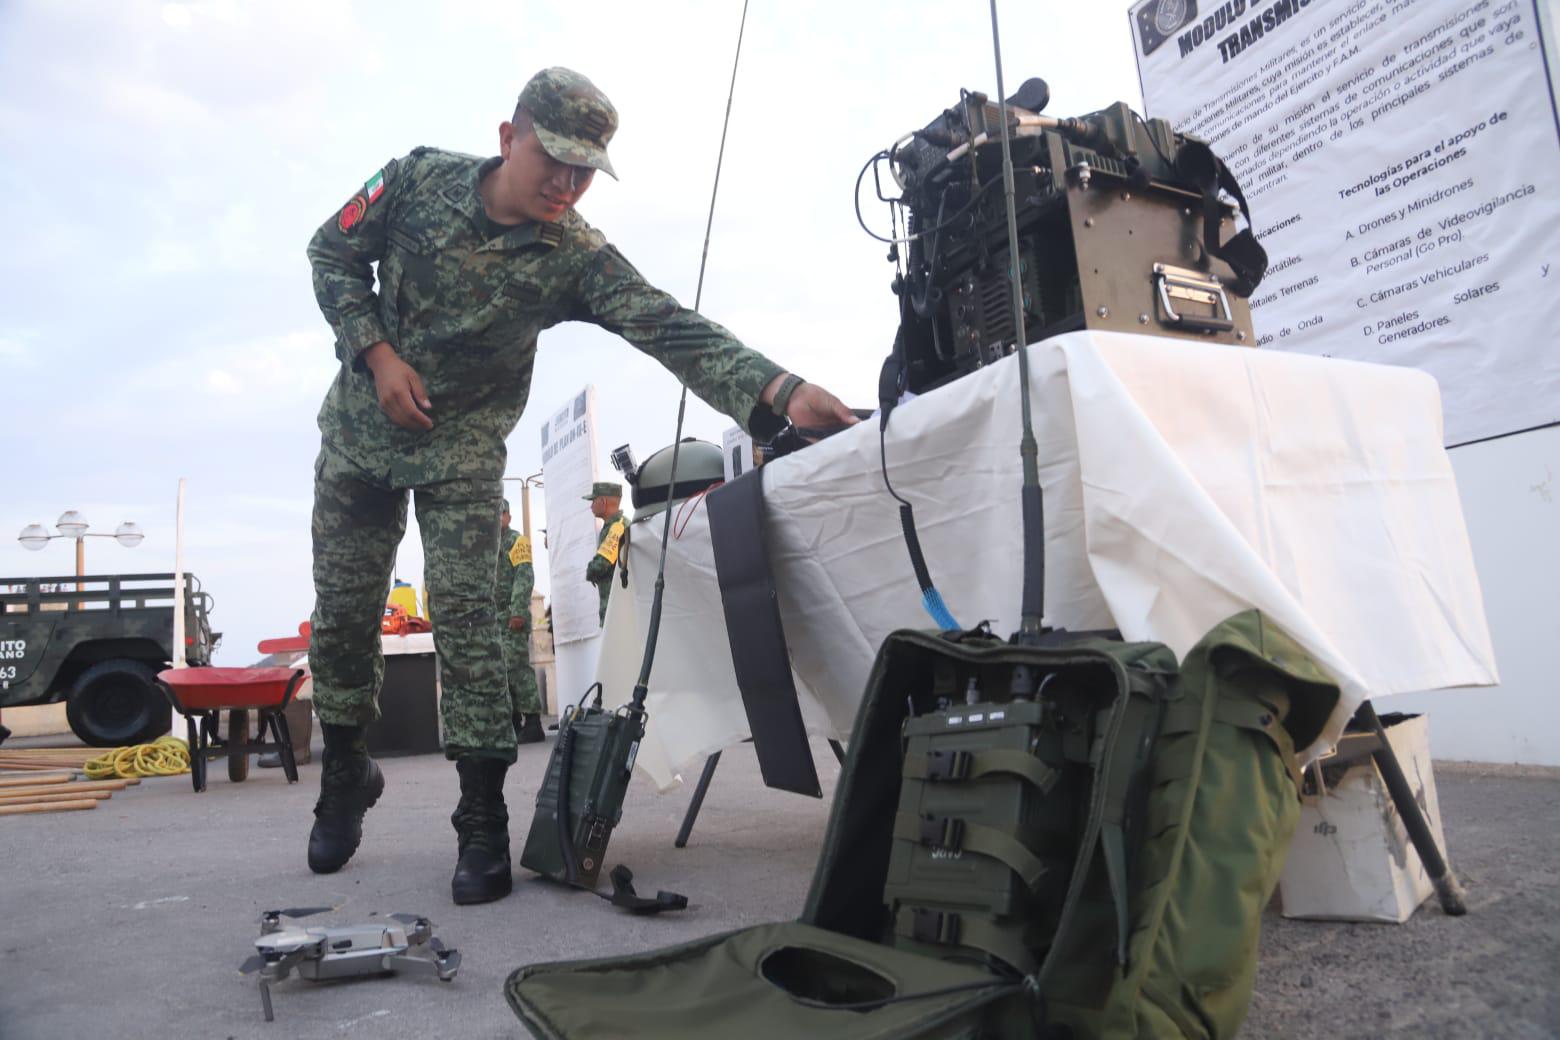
(581, 798)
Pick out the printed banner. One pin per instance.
(1402, 161)
(568, 470)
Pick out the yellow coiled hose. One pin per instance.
(166, 756)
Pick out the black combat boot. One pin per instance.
(482, 826)
(530, 730)
(350, 783)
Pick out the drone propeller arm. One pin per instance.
(444, 965)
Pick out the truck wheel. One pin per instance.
(116, 703)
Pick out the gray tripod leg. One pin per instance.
(1447, 888)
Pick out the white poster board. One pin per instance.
(1402, 161)
(568, 470)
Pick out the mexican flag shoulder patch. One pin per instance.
(375, 186)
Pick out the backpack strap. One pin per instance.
(950, 928)
(956, 835)
(1196, 162)
(973, 765)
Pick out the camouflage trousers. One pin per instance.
(522, 677)
(358, 523)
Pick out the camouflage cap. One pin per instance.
(604, 489)
(572, 118)
(506, 506)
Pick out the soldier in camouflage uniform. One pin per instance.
(512, 604)
(605, 500)
(474, 259)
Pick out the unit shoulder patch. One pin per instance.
(520, 552)
(352, 212)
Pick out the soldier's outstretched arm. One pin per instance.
(342, 254)
(708, 359)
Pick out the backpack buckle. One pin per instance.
(934, 926)
(948, 765)
(942, 832)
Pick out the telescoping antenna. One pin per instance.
(1030, 626)
(642, 686)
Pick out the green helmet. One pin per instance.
(699, 466)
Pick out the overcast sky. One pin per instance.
(166, 163)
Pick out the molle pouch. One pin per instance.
(1034, 773)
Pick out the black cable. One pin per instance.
(963, 211)
(1149, 134)
(931, 599)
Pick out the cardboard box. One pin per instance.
(1351, 858)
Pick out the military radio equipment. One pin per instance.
(1006, 797)
(581, 798)
(1120, 226)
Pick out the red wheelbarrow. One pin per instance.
(201, 695)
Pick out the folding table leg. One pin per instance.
(284, 745)
(697, 801)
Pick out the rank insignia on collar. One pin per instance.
(352, 212)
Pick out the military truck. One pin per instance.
(97, 643)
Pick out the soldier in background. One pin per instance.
(512, 604)
(606, 502)
(436, 278)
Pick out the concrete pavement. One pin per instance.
(130, 920)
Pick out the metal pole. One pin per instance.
(81, 567)
(179, 658)
(525, 509)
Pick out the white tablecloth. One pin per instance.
(1183, 483)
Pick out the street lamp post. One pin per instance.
(526, 483)
(72, 524)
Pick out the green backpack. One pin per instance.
(1089, 858)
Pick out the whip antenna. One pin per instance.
(1033, 602)
(642, 686)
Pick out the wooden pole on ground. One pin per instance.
(29, 781)
(52, 796)
(45, 807)
(81, 785)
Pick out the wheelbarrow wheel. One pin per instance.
(238, 744)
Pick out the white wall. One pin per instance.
(1511, 498)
